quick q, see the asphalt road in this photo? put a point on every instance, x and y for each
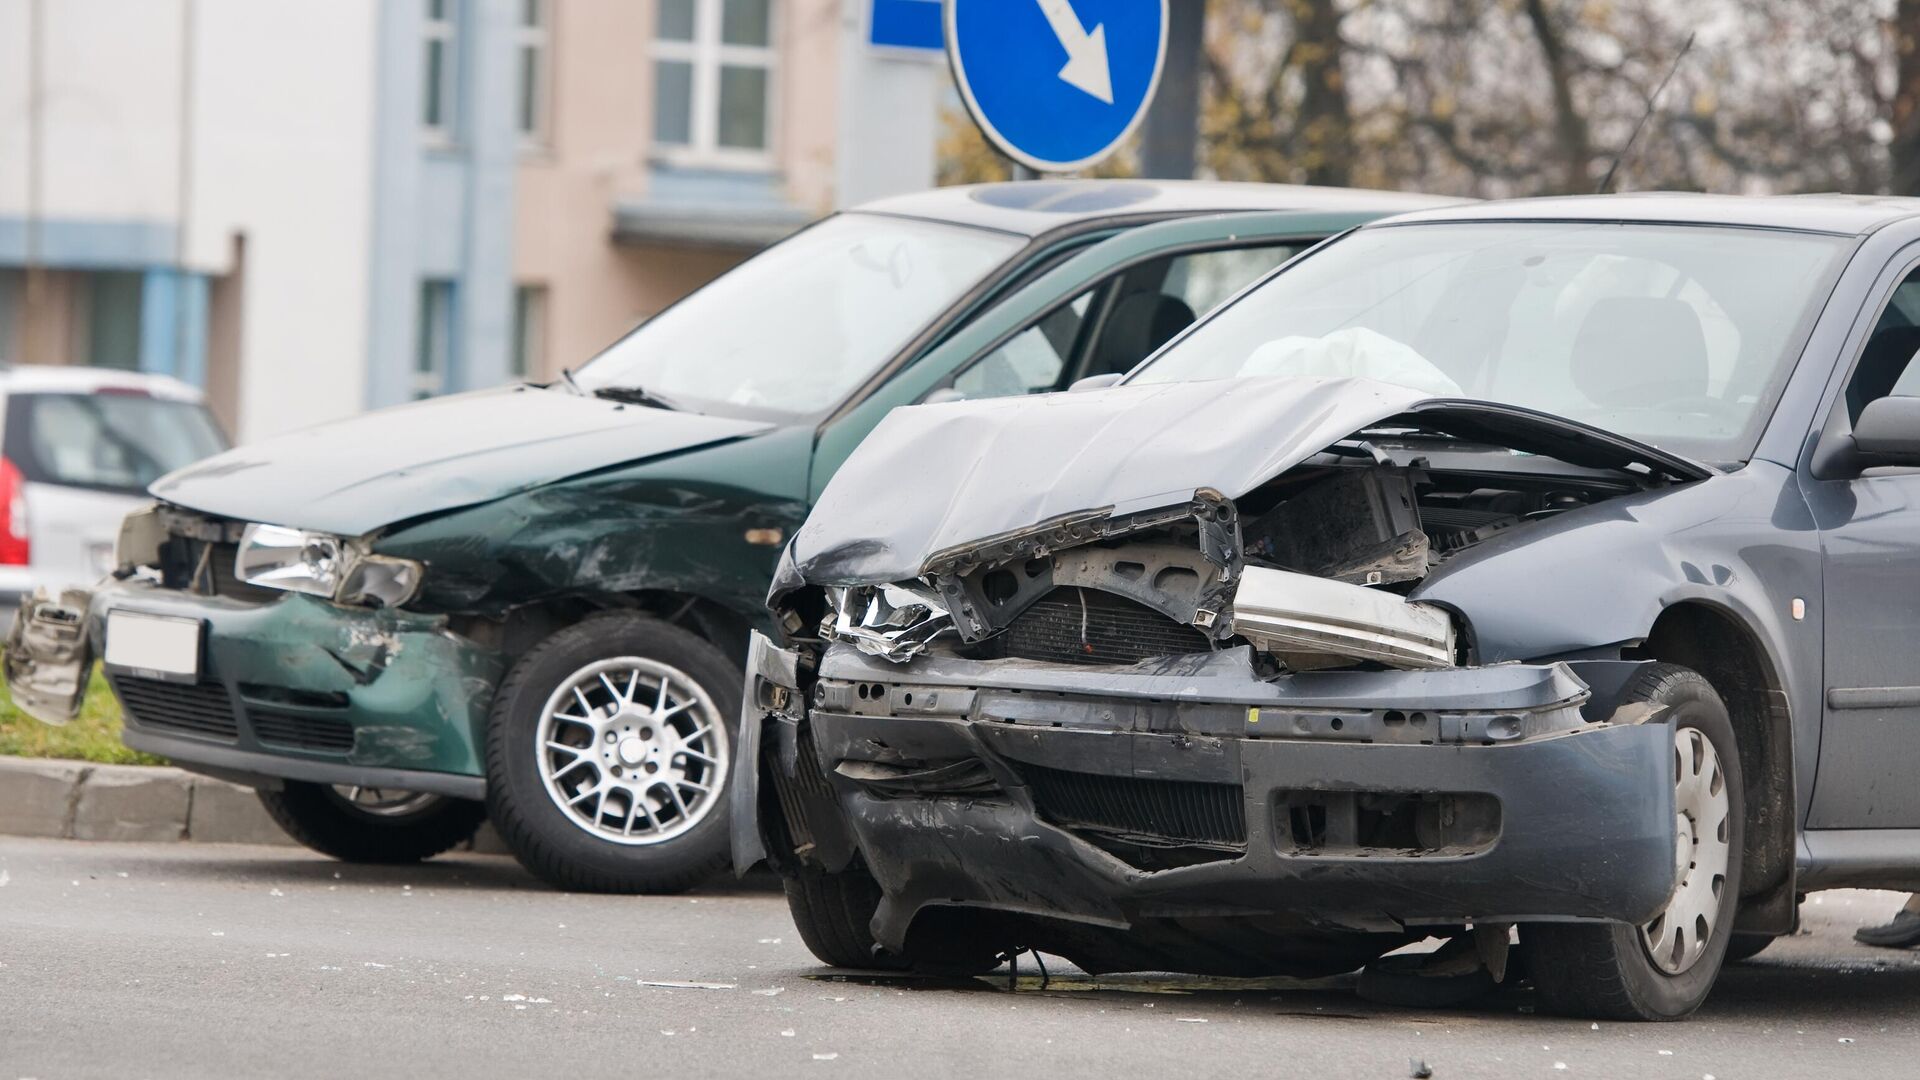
(209, 961)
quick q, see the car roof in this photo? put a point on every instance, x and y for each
(1851, 215)
(72, 379)
(1032, 207)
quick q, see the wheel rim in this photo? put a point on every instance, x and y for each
(383, 802)
(632, 750)
(1677, 938)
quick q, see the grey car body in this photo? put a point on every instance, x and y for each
(1169, 809)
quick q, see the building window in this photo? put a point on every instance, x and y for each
(533, 37)
(713, 64)
(529, 332)
(441, 67)
(433, 343)
(12, 285)
(109, 309)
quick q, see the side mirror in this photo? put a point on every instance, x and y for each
(1096, 382)
(942, 396)
(1888, 431)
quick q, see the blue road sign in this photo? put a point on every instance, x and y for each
(1057, 84)
(905, 24)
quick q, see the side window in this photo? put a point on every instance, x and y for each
(1207, 279)
(1886, 367)
(1119, 322)
(1032, 361)
(1155, 302)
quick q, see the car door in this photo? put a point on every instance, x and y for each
(1065, 318)
(1870, 538)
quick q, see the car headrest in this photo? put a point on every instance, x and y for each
(1633, 350)
(1139, 323)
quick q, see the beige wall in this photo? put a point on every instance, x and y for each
(600, 131)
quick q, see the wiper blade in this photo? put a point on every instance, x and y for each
(566, 375)
(635, 395)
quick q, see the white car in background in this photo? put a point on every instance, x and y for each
(78, 447)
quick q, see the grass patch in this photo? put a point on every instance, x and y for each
(94, 735)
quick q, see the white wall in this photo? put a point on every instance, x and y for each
(111, 108)
(284, 153)
(279, 150)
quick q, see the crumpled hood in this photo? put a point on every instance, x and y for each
(354, 476)
(934, 477)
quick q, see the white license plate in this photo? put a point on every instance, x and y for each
(158, 645)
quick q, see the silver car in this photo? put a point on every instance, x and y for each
(78, 447)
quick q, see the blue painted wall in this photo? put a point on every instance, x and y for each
(443, 212)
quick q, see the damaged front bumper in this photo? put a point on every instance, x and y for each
(295, 688)
(1189, 788)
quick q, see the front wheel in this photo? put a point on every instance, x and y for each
(608, 753)
(1663, 970)
(372, 825)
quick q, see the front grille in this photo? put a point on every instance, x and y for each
(1071, 625)
(203, 709)
(1175, 810)
(302, 731)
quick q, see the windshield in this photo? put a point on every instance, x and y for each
(792, 331)
(108, 441)
(1680, 336)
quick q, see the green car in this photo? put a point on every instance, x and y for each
(532, 604)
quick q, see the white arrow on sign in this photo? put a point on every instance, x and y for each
(1087, 67)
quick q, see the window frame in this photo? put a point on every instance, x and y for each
(1106, 292)
(432, 379)
(535, 38)
(706, 55)
(444, 32)
(527, 349)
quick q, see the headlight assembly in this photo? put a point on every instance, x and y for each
(378, 581)
(276, 557)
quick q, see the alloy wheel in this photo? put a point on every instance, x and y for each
(383, 802)
(632, 750)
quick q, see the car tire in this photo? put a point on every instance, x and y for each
(408, 830)
(834, 914)
(671, 784)
(1610, 971)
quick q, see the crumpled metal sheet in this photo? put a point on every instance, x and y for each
(936, 477)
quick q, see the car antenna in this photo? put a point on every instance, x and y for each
(1653, 103)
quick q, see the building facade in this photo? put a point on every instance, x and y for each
(311, 209)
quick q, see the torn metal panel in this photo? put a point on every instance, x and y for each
(1287, 613)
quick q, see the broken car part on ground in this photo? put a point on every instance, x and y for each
(540, 596)
(1440, 627)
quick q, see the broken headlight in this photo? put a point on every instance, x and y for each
(892, 622)
(379, 581)
(276, 557)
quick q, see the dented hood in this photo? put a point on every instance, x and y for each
(935, 477)
(354, 476)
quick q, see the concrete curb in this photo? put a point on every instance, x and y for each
(73, 800)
